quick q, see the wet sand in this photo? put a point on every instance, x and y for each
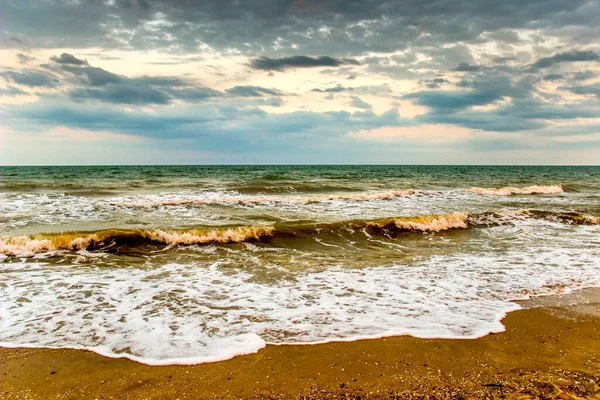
(548, 352)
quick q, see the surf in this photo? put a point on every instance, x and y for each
(29, 245)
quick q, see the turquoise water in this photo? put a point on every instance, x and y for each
(186, 264)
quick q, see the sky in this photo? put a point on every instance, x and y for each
(299, 81)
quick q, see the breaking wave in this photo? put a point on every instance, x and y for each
(27, 246)
(237, 197)
(425, 223)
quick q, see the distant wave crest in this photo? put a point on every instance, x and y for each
(230, 199)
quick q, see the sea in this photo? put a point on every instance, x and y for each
(194, 264)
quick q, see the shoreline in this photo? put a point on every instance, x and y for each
(550, 350)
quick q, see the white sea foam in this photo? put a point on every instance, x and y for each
(233, 198)
(31, 212)
(200, 312)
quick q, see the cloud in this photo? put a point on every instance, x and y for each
(145, 91)
(453, 100)
(569, 56)
(520, 114)
(583, 76)
(254, 27)
(453, 61)
(93, 76)
(503, 60)
(12, 91)
(464, 67)
(24, 59)
(553, 77)
(123, 94)
(93, 83)
(220, 121)
(336, 89)
(272, 102)
(593, 89)
(359, 103)
(36, 79)
(280, 64)
(433, 83)
(252, 91)
(66, 58)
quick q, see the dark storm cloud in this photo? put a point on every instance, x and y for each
(252, 91)
(280, 64)
(570, 56)
(31, 78)
(66, 58)
(282, 27)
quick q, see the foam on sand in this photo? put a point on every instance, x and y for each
(203, 312)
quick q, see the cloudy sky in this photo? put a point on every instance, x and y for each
(299, 81)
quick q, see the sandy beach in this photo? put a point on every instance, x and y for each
(550, 351)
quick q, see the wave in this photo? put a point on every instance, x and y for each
(42, 243)
(278, 196)
(27, 246)
(291, 187)
(18, 186)
(105, 240)
(508, 191)
(424, 223)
